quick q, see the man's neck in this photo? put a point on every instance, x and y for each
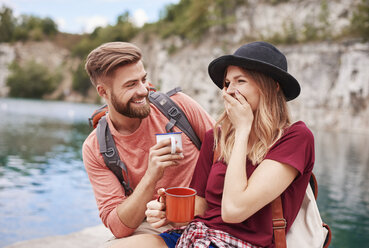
(123, 124)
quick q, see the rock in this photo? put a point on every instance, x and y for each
(92, 237)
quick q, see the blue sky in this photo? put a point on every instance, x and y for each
(79, 16)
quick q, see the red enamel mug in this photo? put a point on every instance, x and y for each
(180, 204)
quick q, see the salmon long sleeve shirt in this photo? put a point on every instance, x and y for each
(133, 151)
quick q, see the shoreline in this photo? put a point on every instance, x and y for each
(95, 236)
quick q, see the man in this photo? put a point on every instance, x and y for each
(117, 72)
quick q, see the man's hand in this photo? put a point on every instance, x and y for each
(160, 157)
(155, 213)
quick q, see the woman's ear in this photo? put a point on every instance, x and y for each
(277, 86)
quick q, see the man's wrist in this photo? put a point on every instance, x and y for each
(148, 181)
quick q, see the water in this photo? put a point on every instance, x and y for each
(342, 170)
(44, 189)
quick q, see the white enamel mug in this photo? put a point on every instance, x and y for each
(175, 139)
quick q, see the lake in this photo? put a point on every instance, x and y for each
(44, 189)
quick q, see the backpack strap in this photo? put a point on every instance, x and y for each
(174, 91)
(279, 223)
(111, 156)
(174, 113)
(328, 238)
(314, 185)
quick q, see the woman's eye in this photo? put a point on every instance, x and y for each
(226, 84)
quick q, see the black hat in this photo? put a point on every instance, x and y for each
(257, 56)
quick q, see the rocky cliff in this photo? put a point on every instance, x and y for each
(334, 76)
(45, 53)
(334, 79)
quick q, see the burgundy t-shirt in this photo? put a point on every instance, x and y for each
(295, 147)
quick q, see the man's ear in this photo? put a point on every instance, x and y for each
(101, 90)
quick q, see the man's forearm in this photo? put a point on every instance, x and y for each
(132, 211)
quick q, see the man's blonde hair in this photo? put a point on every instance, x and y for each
(270, 120)
(103, 60)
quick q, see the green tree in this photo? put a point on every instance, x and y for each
(123, 18)
(82, 48)
(20, 33)
(49, 27)
(32, 80)
(81, 81)
(25, 27)
(123, 30)
(360, 20)
(192, 18)
(7, 24)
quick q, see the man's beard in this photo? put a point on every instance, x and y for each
(128, 110)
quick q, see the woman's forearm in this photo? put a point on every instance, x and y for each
(235, 182)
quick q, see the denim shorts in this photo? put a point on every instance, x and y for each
(171, 237)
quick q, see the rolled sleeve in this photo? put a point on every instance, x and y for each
(116, 226)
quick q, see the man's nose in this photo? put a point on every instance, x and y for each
(143, 88)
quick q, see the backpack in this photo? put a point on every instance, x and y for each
(108, 149)
(308, 230)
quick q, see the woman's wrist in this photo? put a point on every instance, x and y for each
(242, 133)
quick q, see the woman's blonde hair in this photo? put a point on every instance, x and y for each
(270, 119)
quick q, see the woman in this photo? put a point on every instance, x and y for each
(262, 156)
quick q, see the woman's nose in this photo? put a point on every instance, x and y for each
(231, 89)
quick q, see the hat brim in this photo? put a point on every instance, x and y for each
(288, 83)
